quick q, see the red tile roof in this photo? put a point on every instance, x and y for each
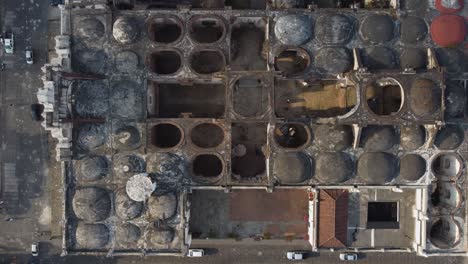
(333, 218)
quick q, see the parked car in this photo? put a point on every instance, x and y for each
(294, 255)
(196, 253)
(9, 42)
(348, 256)
(35, 249)
(29, 56)
(56, 2)
(36, 112)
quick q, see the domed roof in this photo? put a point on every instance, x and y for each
(90, 29)
(412, 137)
(413, 58)
(91, 99)
(162, 207)
(166, 165)
(451, 59)
(412, 167)
(90, 61)
(333, 60)
(413, 29)
(207, 135)
(425, 97)
(415, 5)
(126, 208)
(377, 29)
(447, 166)
(293, 30)
(162, 236)
(126, 61)
(91, 236)
(127, 235)
(378, 138)
(93, 168)
(127, 137)
(91, 136)
(377, 167)
(454, 99)
(334, 167)
(448, 30)
(92, 204)
(126, 99)
(446, 196)
(129, 165)
(125, 30)
(445, 233)
(334, 29)
(379, 58)
(449, 137)
(292, 167)
(329, 137)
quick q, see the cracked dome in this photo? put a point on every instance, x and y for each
(127, 235)
(292, 167)
(125, 30)
(129, 165)
(167, 165)
(333, 167)
(90, 29)
(163, 206)
(333, 60)
(425, 97)
(90, 136)
(93, 168)
(377, 167)
(334, 29)
(126, 208)
(412, 137)
(92, 204)
(412, 167)
(91, 236)
(328, 137)
(378, 138)
(449, 137)
(412, 30)
(377, 29)
(293, 30)
(127, 137)
(162, 236)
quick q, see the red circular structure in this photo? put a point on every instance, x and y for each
(448, 30)
(449, 6)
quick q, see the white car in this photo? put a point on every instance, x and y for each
(348, 256)
(294, 255)
(29, 56)
(196, 253)
(35, 249)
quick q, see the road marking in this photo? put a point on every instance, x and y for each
(372, 238)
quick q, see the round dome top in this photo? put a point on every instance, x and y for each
(334, 167)
(91, 137)
(412, 137)
(451, 59)
(92, 204)
(334, 29)
(93, 168)
(454, 99)
(90, 61)
(162, 207)
(448, 30)
(333, 60)
(413, 58)
(412, 167)
(446, 196)
(127, 137)
(293, 30)
(292, 167)
(139, 187)
(445, 233)
(127, 235)
(379, 58)
(425, 97)
(162, 236)
(413, 29)
(90, 29)
(378, 138)
(166, 165)
(328, 137)
(91, 236)
(126, 208)
(129, 165)
(447, 166)
(125, 30)
(126, 61)
(449, 137)
(377, 29)
(91, 99)
(377, 167)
